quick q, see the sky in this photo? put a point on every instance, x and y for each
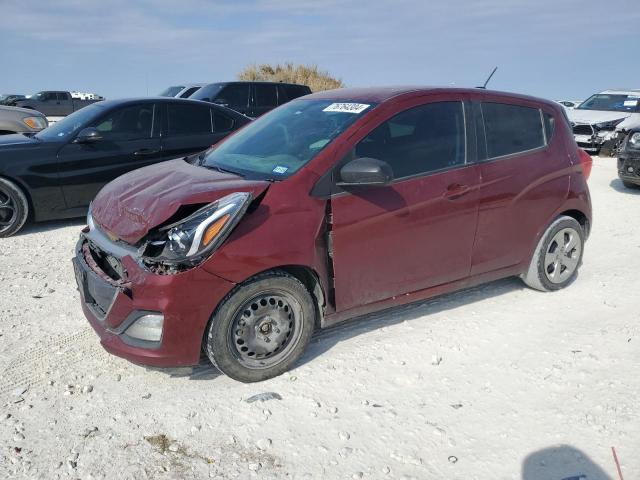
(557, 49)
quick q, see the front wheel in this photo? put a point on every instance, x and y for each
(14, 208)
(557, 257)
(262, 328)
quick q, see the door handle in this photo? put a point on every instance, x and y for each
(455, 190)
(144, 151)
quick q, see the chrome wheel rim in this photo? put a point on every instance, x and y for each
(265, 329)
(8, 211)
(562, 255)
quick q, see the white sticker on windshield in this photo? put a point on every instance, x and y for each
(630, 103)
(347, 107)
(280, 169)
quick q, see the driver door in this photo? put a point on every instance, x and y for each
(130, 140)
(418, 231)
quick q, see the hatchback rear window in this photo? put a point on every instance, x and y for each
(511, 129)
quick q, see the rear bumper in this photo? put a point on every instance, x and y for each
(186, 300)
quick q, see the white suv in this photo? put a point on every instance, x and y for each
(601, 122)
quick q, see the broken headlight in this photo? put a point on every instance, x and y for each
(192, 239)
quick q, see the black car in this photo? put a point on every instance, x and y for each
(57, 172)
(629, 160)
(250, 98)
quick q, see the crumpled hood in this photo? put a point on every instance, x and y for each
(130, 206)
(594, 116)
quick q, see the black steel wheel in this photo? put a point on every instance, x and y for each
(261, 328)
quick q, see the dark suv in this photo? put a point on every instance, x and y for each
(250, 98)
(629, 160)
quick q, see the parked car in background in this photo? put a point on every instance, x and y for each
(601, 122)
(570, 104)
(21, 120)
(250, 98)
(8, 98)
(629, 159)
(181, 91)
(332, 206)
(53, 103)
(85, 95)
(57, 172)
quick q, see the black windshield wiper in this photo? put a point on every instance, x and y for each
(223, 170)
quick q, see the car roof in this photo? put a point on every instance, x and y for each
(266, 82)
(622, 91)
(383, 94)
(137, 100)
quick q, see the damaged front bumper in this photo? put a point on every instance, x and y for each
(629, 168)
(139, 315)
(592, 140)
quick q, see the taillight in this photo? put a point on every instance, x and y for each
(586, 161)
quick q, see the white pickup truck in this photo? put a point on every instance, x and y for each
(602, 121)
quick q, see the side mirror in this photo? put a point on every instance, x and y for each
(88, 135)
(365, 171)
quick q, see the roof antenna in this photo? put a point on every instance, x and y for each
(484, 87)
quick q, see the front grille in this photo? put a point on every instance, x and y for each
(582, 129)
(110, 265)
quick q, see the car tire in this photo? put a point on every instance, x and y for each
(261, 328)
(630, 185)
(14, 208)
(557, 256)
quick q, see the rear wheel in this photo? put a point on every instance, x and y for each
(557, 257)
(14, 208)
(261, 329)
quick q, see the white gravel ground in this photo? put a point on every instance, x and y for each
(496, 382)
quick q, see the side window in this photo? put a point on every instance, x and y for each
(549, 126)
(221, 123)
(266, 95)
(128, 123)
(419, 140)
(187, 119)
(189, 92)
(511, 129)
(235, 95)
(283, 97)
(49, 96)
(295, 91)
(62, 96)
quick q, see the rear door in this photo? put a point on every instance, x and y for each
(417, 232)
(129, 141)
(523, 181)
(189, 128)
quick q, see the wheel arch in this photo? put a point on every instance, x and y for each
(580, 217)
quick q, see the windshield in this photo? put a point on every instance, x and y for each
(171, 91)
(611, 102)
(281, 142)
(71, 124)
(208, 93)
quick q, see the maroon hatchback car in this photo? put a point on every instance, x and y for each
(331, 206)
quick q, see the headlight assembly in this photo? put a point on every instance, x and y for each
(634, 140)
(192, 239)
(37, 123)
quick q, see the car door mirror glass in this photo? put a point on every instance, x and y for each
(365, 171)
(88, 135)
